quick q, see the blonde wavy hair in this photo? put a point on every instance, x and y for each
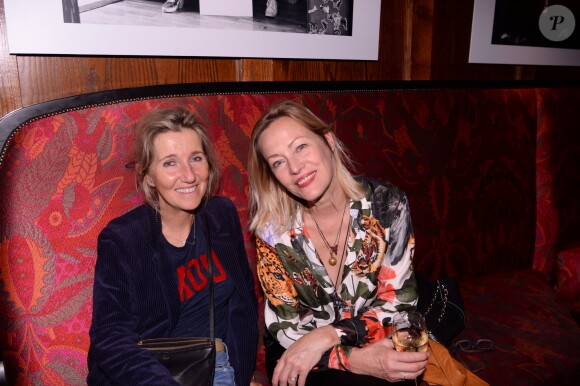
(174, 119)
(270, 203)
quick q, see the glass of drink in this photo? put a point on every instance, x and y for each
(410, 332)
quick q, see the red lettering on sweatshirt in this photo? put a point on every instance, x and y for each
(189, 284)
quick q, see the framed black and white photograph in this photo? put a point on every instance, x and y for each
(541, 32)
(304, 29)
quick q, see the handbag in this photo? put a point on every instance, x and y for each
(191, 361)
(443, 369)
(441, 304)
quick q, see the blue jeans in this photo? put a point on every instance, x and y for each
(224, 373)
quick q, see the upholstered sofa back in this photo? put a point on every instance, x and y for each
(466, 156)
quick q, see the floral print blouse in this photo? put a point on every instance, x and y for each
(378, 278)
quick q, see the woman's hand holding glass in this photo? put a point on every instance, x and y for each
(410, 334)
(381, 360)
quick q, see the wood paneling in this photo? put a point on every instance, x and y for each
(451, 41)
(550, 72)
(50, 77)
(9, 87)
(420, 39)
(256, 69)
(420, 29)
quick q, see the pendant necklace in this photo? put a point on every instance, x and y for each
(333, 250)
(336, 284)
(180, 241)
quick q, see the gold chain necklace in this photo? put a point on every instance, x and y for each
(333, 250)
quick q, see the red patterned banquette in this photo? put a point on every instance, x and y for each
(492, 172)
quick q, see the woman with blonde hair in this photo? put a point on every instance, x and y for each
(334, 257)
(152, 270)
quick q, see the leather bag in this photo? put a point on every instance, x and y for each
(191, 361)
(441, 304)
(442, 369)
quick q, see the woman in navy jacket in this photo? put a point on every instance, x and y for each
(151, 272)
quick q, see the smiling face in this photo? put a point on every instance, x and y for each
(179, 171)
(299, 159)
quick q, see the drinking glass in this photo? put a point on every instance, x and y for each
(410, 332)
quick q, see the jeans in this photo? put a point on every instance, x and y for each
(224, 373)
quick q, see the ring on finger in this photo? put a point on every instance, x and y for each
(292, 380)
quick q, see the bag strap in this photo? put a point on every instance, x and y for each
(443, 292)
(211, 283)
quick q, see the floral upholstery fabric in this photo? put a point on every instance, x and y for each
(568, 278)
(526, 352)
(466, 162)
(557, 249)
(467, 165)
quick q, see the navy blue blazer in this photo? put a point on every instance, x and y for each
(135, 296)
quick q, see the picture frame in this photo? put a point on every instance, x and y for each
(37, 27)
(525, 43)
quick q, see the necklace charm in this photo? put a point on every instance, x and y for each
(333, 252)
(332, 261)
(332, 249)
